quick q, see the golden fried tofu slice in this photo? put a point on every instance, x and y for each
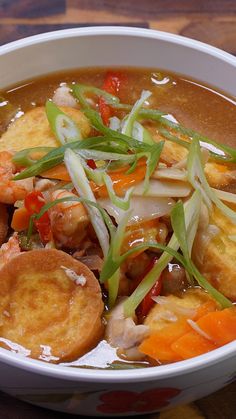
(172, 153)
(33, 130)
(217, 263)
(50, 305)
(219, 175)
(172, 308)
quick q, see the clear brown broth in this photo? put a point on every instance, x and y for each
(192, 103)
(195, 105)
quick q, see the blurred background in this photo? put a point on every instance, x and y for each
(210, 21)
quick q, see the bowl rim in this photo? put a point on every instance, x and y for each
(161, 372)
(120, 31)
(146, 374)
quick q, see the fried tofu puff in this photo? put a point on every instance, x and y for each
(217, 263)
(173, 308)
(33, 130)
(218, 175)
(51, 305)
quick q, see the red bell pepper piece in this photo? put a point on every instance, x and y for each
(91, 163)
(111, 85)
(34, 202)
(147, 303)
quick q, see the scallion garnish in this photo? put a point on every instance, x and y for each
(179, 227)
(196, 176)
(129, 121)
(81, 184)
(63, 127)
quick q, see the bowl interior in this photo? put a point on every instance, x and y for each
(112, 46)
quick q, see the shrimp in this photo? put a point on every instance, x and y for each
(11, 190)
(69, 220)
(9, 250)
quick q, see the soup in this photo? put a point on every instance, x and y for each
(117, 214)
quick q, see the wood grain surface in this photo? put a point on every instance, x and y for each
(211, 21)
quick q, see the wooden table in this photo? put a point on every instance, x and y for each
(211, 21)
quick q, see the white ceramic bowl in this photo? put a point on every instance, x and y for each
(97, 392)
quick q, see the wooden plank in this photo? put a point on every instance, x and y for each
(151, 8)
(31, 8)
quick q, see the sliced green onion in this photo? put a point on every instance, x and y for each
(24, 157)
(103, 155)
(147, 283)
(55, 157)
(81, 184)
(122, 203)
(218, 151)
(152, 162)
(79, 91)
(179, 227)
(173, 138)
(96, 175)
(115, 123)
(197, 178)
(112, 256)
(113, 288)
(129, 121)
(63, 127)
(141, 134)
(225, 196)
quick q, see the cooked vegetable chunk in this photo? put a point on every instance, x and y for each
(172, 308)
(50, 304)
(32, 130)
(218, 260)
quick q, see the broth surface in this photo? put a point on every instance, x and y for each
(193, 104)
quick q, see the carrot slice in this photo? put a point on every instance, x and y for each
(20, 219)
(58, 172)
(220, 326)
(158, 345)
(122, 181)
(192, 344)
(205, 308)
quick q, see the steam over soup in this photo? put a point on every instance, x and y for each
(117, 218)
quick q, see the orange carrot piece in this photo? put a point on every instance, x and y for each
(220, 326)
(58, 172)
(158, 345)
(192, 344)
(122, 181)
(159, 350)
(20, 219)
(205, 308)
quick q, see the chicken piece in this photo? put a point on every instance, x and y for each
(124, 333)
(33, 130)
(217, 263)
(171, 309)
(51, 305)
(63, 97)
